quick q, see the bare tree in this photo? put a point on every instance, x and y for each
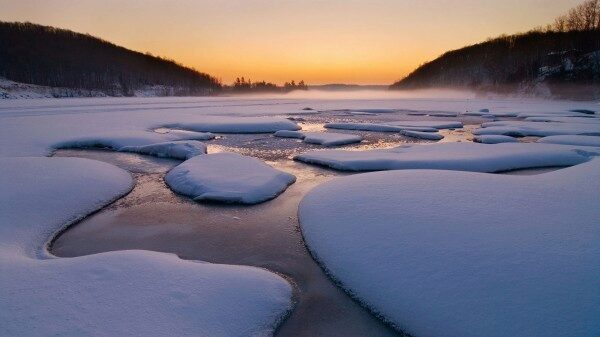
(585, 16)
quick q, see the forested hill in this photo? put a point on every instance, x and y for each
(560, 63)
(53, 57)
(559, 60)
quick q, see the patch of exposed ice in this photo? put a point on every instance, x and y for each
(452, 156)
(422, 135)
(331, 138)
(477, 255)
(179, 149)
(228, 177)
(494, 139)
(116, 293)
(571, 140)
(222, 124)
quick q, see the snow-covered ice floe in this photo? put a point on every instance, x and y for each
(289, 134)
(377, 127)
(331, 138)
(188, 135)
(446, 253)
(228, 177)
(564, 119)
(115, 140)
(222, 124)
(116, 293)
(180, 149)
(453, 156)
(148, 143)
(321, 138)
(428, 124)
(490, 114)
(571, 140)
(422, 135)
(494, 139)
(537, 129)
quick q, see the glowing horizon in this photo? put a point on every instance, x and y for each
(320, 42)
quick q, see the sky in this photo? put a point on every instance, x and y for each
(328, 41)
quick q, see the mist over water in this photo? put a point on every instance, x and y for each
(367, 94)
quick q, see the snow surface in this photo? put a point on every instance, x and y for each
(223, 124)
(571, 140)
(125, 293)
(331, 138)
(537, 129)
(289, 134)
(494, 139)
(228, 177)
(422, 135)
(180, 149)
(443, 253)
(453, 156)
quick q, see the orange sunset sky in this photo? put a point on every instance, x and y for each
(335, 41)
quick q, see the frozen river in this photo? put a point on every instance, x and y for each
(266, 235)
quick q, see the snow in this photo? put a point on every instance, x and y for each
(289, 134)
(494, 139)
(452, 156)
(228, 177)
(571, 140)
(422, 135)
(31, 127)
(223, 124)
(125, 293)
(443, 253)
(538, 129)
(331, 138)
(376, 127)
(181, 149)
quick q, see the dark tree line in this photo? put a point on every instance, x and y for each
(566, 53)
(241, 85)
(48, 56)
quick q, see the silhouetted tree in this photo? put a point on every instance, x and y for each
(55, 57)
